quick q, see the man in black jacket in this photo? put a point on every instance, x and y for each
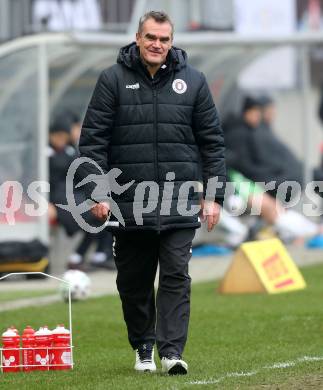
(152, 116)
(254, 150)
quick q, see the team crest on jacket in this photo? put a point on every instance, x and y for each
(179, 86)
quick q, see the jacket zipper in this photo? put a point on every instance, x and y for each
(156, 151)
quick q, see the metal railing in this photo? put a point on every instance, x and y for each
(17, 17)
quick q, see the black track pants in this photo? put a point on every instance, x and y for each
(137, 255)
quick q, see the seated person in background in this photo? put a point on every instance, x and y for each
(61, 154)
(76, 127)
(256, 152)
(268, 111)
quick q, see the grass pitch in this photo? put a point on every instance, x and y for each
(235, 342)
(14, 295)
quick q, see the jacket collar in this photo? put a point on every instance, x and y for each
(129, 56)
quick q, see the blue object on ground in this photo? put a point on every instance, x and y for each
(210, 250)
(315, 242)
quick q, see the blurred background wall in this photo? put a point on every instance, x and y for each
(20, 17)
(243, 17)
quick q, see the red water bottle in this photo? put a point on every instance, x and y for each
(11, 351)
(61, 351)
(28, 351)
(43, 343)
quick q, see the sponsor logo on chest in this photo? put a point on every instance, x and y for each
(133, 86)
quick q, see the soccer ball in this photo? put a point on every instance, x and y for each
(79, 283)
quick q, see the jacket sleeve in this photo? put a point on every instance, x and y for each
(97, 129)
(209, 137)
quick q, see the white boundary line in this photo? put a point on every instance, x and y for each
(274, 366)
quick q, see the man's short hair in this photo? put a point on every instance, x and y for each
(158, 16)
(250, 103)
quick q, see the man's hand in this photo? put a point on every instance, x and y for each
(101, 210)
(210, 212)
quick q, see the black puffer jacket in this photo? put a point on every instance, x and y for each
(142, 126)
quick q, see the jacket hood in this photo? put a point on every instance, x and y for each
(129, 56)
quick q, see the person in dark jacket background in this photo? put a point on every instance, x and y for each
(256, 152)
(254, 149)
(61, 154)
(152, 116)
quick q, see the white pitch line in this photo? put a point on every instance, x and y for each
(237, 374)
(280, 365)
(275, 366)
(310, 359)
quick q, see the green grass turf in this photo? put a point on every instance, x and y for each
(6, 296)
(228, 334)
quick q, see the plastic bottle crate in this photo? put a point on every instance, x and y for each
(50, 352)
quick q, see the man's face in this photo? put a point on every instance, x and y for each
(59, 139)
(253, 116)
(154, 42)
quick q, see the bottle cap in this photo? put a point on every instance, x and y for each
(43, 331)
(28, 330)
(60, 329)
(9, 333)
